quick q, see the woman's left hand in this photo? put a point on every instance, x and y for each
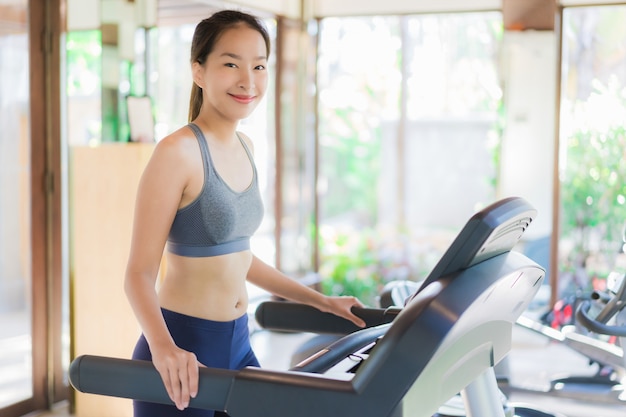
(342, 307)
(279, 284)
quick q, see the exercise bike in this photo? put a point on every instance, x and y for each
(599, 334)
(609, 320)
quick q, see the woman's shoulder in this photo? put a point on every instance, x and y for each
(179, 140)
(179, 145)
(180, 137)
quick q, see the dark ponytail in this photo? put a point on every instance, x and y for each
(206, 35)
(195, 102)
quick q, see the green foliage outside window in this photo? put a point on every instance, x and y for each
(361, 264)
(593, 143)
(377, 77)
(352, 269)
(83, 52)
(593, 188)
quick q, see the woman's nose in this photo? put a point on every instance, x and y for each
(246, 81)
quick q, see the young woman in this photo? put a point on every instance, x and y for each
(198, 202)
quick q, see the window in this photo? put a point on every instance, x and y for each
(16, 344)
(84, 85)
(593, 139)
(408, 136)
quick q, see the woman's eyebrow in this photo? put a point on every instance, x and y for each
(235, 56)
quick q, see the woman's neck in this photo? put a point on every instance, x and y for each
(219, 129)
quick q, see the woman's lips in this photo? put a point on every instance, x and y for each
(243, 99)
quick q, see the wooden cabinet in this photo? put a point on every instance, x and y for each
(103, 184)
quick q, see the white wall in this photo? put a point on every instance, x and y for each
(323, 8)
(529, 69)
(85, 14)
(288, 8)
(88, 14)
(359, 7)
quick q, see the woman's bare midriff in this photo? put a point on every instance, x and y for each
(212, 288)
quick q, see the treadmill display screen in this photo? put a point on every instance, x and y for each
(494, 230)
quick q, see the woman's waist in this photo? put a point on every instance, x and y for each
(214, 267)
(208, 297)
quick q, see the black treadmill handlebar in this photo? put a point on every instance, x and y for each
(141, 381)
(218, 389)
(582, 315)
(294, 317)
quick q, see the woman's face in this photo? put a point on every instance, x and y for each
(234, 76)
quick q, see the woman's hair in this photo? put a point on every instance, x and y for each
(206, 35)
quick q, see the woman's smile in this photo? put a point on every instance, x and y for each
(244, 99)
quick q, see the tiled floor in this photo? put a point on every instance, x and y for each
(533, 361)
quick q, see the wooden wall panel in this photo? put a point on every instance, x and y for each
(104, 181)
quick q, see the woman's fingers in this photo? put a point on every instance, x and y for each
(192, 372)
(357, 320)
(180, 378)
(176, 388)
(183, 375)
(342, 306)
(354, 302)
(165, 376)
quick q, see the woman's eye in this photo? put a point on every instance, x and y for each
(230, 65)
(260, 67)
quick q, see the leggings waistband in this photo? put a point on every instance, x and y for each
(173, 316)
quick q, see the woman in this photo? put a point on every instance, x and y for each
(199, 195)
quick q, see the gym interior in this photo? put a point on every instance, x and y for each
(387, 125)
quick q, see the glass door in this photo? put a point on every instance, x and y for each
(32, 375)
(16, 359)
(592, 143)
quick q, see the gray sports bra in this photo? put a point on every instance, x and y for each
(219, 220)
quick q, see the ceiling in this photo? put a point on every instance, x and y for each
(14, 16)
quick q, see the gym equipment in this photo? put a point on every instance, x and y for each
(610, 321)
(447, 339)
(607, 385)
(392, 296)
(392, 299)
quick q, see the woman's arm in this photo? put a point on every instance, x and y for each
(158, 197)
(277, 283)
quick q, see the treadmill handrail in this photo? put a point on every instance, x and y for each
(289, 316)
(139, 380)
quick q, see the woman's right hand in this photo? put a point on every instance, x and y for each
(179, 370)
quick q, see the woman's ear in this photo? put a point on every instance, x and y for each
(197, 71)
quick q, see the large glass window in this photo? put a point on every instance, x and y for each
(453, 97)
(84, 87)
(408, 136)
(593, 139)
(16, 364)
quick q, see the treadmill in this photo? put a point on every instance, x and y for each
(407, 362)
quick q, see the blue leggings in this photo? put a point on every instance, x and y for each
(216, 344)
